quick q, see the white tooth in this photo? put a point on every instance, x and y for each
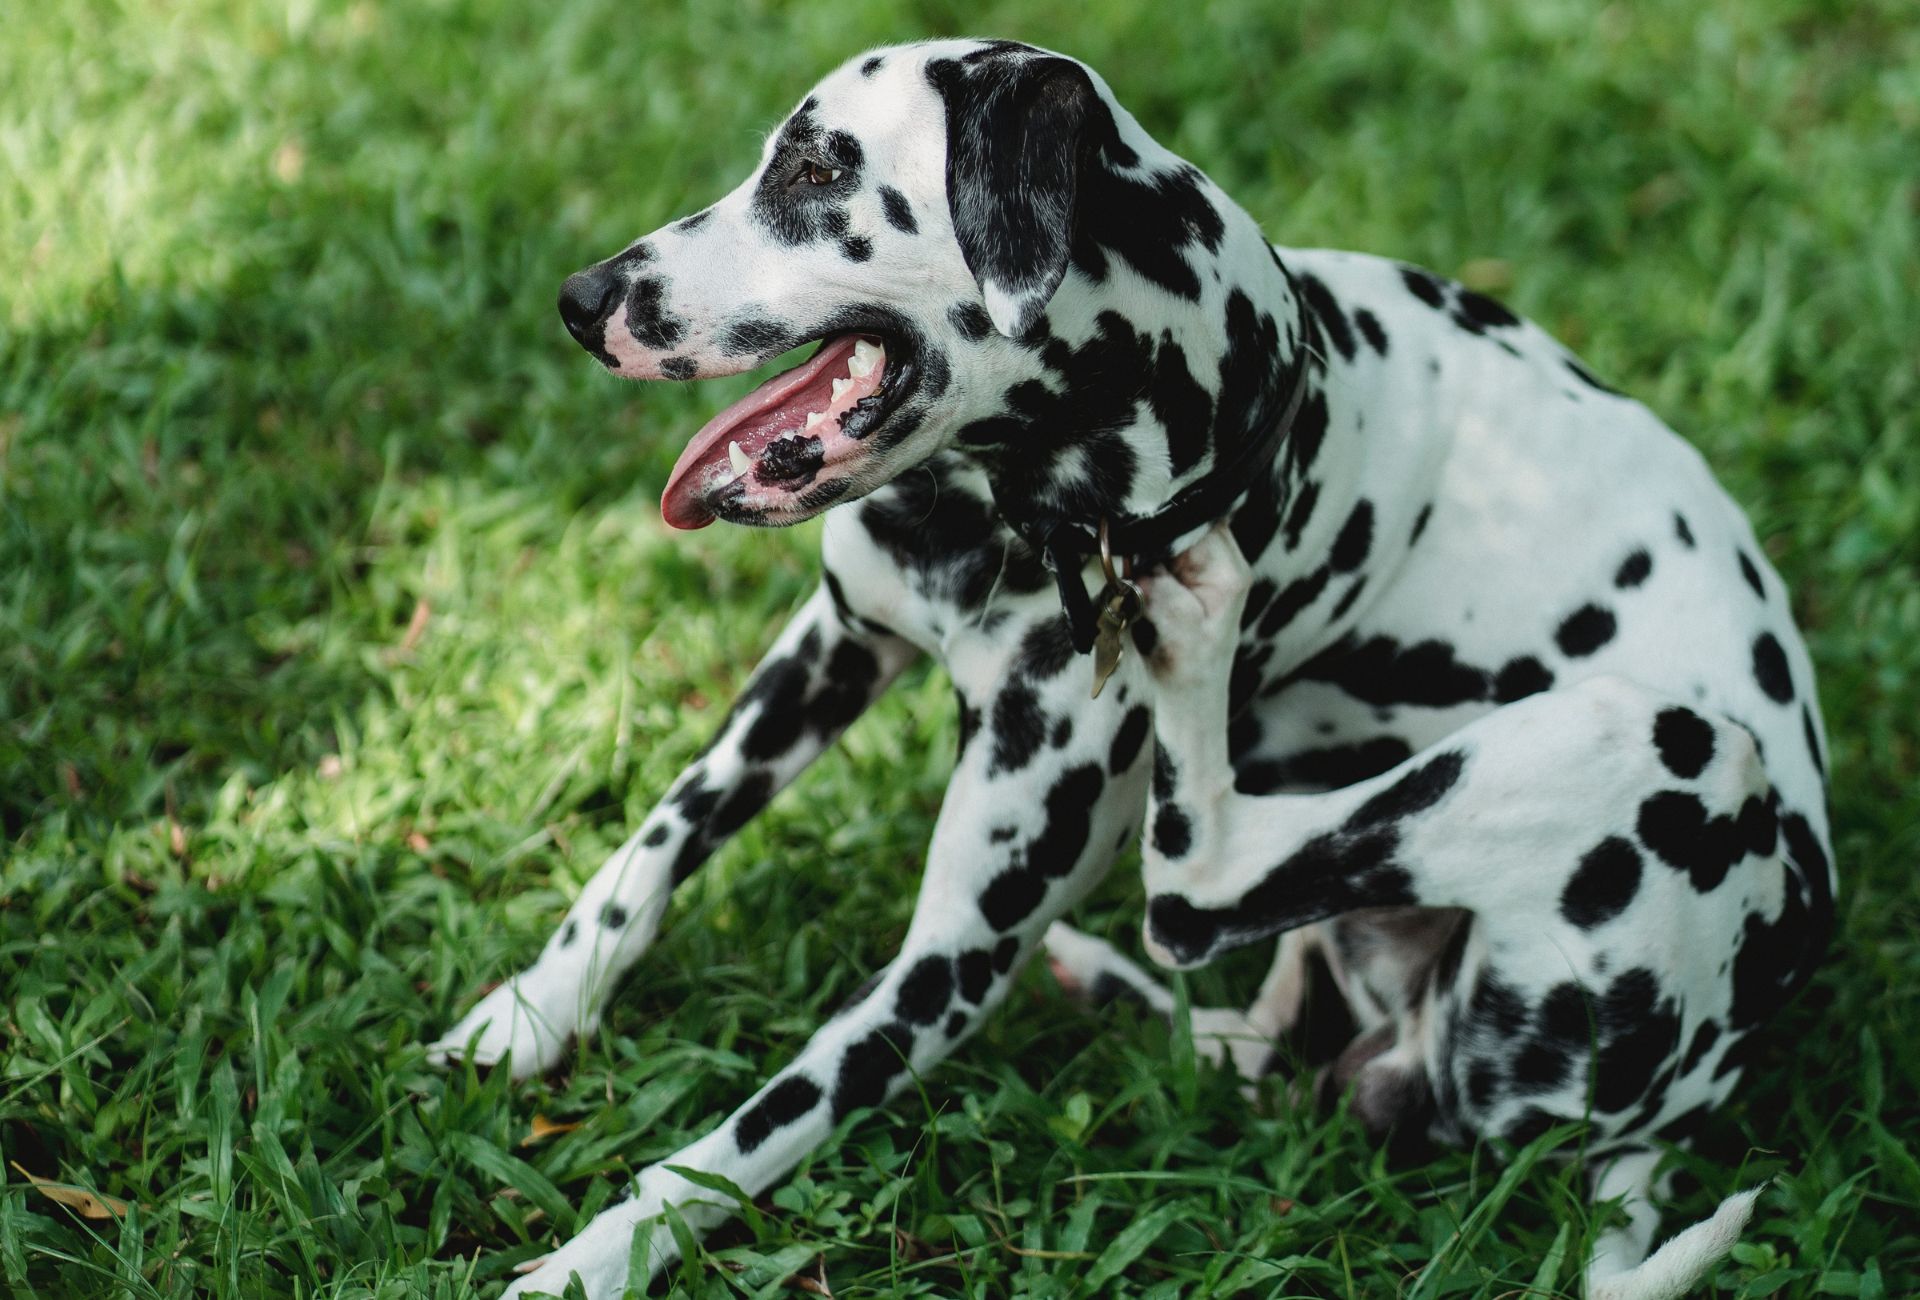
(815, 417)
(840, 386)
(738, 458)
(865, 357)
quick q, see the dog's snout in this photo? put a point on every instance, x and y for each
(584, 298)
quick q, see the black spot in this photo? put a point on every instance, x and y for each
(975, 969)
(1172, 832)
(1751, 574)
(1585, 631)
(869, 1067)
(748, 796)
(1355, 540)
(1332, 319)
(784, 1103)
(1643, 1032)
(695, 221)
(1128, 739)
(1633, 570)
(1058, 846)
(1484, 312)
(870, 66)
(679, 367)
(1348, 601)
(1497, 1005)
(899, 212)
(956, 1024)
(754, 337)
(1046, 650)
(1567, 1015)
(1012, 896)
(1383, 672)
(1758, 826)
(613, 916)
(1770, 669)
(856, 248)
(1603, 885)
(570, 933)
(925, 991)
(1183, 408)
(1019, 727)
(1145, 636)
(970, 319)
(1590, 379)
(1703, 1040)
(1682, 531)
(1676, 827)
(1300, 512)
(1327, 769)
(1420, 523)
(1685, 741)
(1519, 678)
(1004, 954)
(657, 836)
(1425, 285)
(1291, 602)
(1370, 330)
(1413, 793)
(1812, 737)
(1541, 1065)
(648, 319)
(1483, 1084)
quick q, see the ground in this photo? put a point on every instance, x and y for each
(340, 638)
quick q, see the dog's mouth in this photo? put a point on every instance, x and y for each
(784, 452)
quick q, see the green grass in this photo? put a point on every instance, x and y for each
(339, 636)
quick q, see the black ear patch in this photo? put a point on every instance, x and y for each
(1016, 126)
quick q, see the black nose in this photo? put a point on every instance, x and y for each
(585, 297)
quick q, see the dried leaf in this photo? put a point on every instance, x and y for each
(817, 1284)
(418, 842)
(417, 625)
(89, 1205)
(544, 1128)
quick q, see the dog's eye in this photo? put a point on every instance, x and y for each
(814, 173)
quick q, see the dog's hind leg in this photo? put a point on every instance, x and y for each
(1096, 972)
(1024, 832)
(822, 672)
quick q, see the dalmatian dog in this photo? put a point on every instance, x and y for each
(1489, 706)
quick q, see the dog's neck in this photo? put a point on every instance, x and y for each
(1116, 423)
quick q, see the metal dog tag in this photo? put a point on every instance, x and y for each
(1119, 607)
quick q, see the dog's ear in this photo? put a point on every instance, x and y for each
(1015, 132)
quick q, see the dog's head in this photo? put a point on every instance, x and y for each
(916, 215)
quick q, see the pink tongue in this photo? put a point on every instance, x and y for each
(779, 404)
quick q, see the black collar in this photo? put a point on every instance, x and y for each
(1066, 543)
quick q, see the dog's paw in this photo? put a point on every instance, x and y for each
(1194, 602)
(603, 1251)
(600, 1254)
(1093, 972)
(527, 1021)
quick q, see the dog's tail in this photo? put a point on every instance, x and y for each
(1677, 1267)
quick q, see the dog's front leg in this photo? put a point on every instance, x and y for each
(1047, 787)
(819, 676)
